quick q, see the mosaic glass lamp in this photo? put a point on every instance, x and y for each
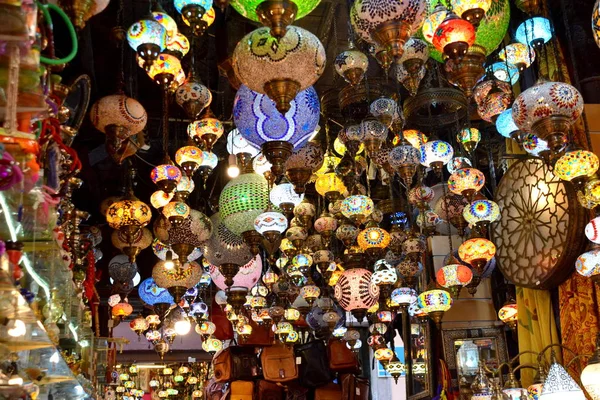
(395, 368)
(534, 145)
(454, 36)
(242, 200)
(481, 211)
(189, 158)
(548, 110)
(265, 12)
(505, 72)
(416, 54)
(435, 303)
(279, 68)
(591, 373)
(330, 186)
(176, 211)
(508, 314)
(469, 138)
(436, 154)
(386, 111)
(355, 292)
(477, 252)
(588, 264)
(148, 38)
(433, 20)
(454, 276)
(206, 131)
(192, 11)
(518, 54)
(414, 137)
(199, 27)
(405, 159)
(374, 241)
(505, 125)
(492, 96)
(404, 296)
(357, 208)
(466, 182)
(166, 177)
(576, 165)
(284, 197)
(592, 230)
(237, 144)
(471, 10)
(457, 163)
(374, 133)
(164, 69)
(128, 216)
(351, 64)
(263, 125)
(534, 32)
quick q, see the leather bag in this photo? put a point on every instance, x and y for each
(341, 358)
(354, 388)
(279, 364)
(236, 363)
(269, 391)
(331, 391)
(314, 366)
(242, 390)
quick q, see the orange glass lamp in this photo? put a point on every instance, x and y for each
(374, 241)
(206, 131)
(454, 277)
(477, 252)
(509, 314)
(454, 36)
(166, 177)
(122, 310)
(466, 182)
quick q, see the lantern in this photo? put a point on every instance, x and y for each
(351, 65)
(242, 200)
(518, 54)
(436, 154)
(454, 36)
(405, 159)
(505, 72)
(435, 303)
(193, 11)
(374, 241)
(357, 208)
(466, 182)
(300, 60)
(505, 124)
(139, 325)
(469, 138)
(193, 97)
(166, 177)
(560, 385)
(404, 296)
(477, 252)
(471, 10)
(548, 110)
(481, 211)
(508, 314)
(355, 292)
(148, 38)
(534, 32)
(206, 130)
(576, 166)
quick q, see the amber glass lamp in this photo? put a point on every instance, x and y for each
(477, 252)
(454, 36)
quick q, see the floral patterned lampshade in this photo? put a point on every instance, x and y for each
(373, 238)
(436, 153)
(505, 124)
(560, 385)
(534, 32)
(147, 32)
(415, 53)
(151, 293)
(466, 181)
(435, 300)
(454, 275)
(354, 290)
(193, 96)
(242, 200)
(258, 120)
(386, 111)
(128, 212)
(247, 8)
(347, 233)
(189, 158)
(577, 164)
(197, 130)
(351, 64)
(187, 276)
(404, 155)
(270, 221)
(404, 296)
(164, 64)
(505, 72)
(481, 210)
(548, 100)
(477, 252)
(534, 145)
(166, 177)
(588, 264)
(412, 136)
(384, 354)
(508, 313)
(518, 54)
(296, 60)
(454, 36)
(326, 223)
(357, 207)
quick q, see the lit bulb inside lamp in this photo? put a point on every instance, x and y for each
(15, 380)
(169, 264)
(233, 171)
(16, 328)
(182, 327)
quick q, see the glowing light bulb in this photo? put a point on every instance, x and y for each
(16, 328)
(233, 171)
(169, 264)
(182, 327)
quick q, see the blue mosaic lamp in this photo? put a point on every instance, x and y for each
(534, 32)
(151, 293)
(506, 125)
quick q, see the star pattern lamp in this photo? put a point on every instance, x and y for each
(351, 65)
(548, 110)
(355, 292)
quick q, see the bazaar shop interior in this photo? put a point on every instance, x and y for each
(299, 199)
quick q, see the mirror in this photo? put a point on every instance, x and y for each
(421, 361)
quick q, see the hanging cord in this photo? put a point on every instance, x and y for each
(121, 85)
(44, 8)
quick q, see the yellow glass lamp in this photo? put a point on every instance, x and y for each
(477, 252)
(330, 186)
